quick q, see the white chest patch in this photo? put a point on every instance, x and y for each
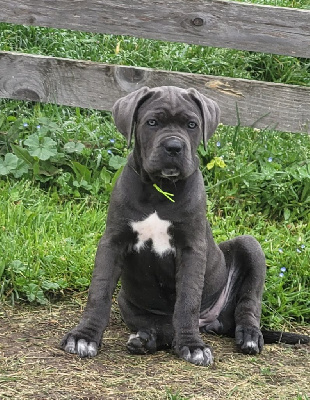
(155, 229)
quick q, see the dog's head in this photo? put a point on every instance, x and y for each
(168, 124)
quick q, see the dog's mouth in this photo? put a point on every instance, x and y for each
(170, 172)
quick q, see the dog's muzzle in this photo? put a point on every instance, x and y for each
(173, 148)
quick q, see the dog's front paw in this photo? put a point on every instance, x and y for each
(142, 342)
(249, 339)
(75, 344)
(196, 355)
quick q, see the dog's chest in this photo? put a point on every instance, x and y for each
(156, 231)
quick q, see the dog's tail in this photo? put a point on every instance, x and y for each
(284, 337)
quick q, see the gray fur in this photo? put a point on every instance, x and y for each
(186, 279)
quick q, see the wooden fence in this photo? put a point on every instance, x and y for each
(205, 22)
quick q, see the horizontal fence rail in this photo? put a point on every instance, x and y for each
(96, 85)
(216, 23)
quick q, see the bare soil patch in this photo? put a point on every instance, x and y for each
(32, 366)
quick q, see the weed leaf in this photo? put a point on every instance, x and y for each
(74, 147)
(48, 169)
(115, 177)
(116, 162)
(81, 171)
(21, 169)
(105, 176)
(8, 164)
(41, 147)
(22, 154)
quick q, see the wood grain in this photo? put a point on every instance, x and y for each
(95, 85)
(205, 22)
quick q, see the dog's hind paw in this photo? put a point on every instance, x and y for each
(249, 339)
(142, 342)
(81, 347)
(198, 356)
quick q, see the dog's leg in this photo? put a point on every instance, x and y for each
(247, 256)
(191, 262)
(151, 332)
(85, 338)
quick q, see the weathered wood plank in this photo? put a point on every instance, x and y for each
(95, 85)
(205, 22)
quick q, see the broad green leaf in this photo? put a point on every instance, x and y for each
(21, 169)
(48, 169)
(17, 267)
(22, 154)
(13, 131)
(74, 147)
(48, 285)
(43, 178)
(41, 147)
(48, 125)
(105, 176)
(116, 162)
(8, 164)
(81, 171)
(35, 293)
(81, 184)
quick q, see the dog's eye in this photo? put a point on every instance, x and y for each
(192, 124)
(152, 122)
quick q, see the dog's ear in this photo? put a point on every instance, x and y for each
(125, 110)
(210, 112)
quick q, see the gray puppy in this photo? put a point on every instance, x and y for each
(175, 280)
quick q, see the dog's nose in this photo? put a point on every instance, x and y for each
(173, 146)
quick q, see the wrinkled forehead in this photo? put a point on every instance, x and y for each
(169, 102)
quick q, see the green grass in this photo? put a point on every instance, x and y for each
(52, 210)
(47, 245)
(282, 3)
(155, 54)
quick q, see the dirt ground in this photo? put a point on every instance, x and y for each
(32, 366)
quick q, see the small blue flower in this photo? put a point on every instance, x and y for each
(281, 274)
(298, 250)
(38, 126)
(112, 140)
(218, 144)
(270, 159)
(101, 137)
(110, 152)
(302, 246)
(280, 251)
(283, 269)
(25, 124)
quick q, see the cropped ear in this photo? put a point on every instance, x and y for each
(210, 112)
(125, 110)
